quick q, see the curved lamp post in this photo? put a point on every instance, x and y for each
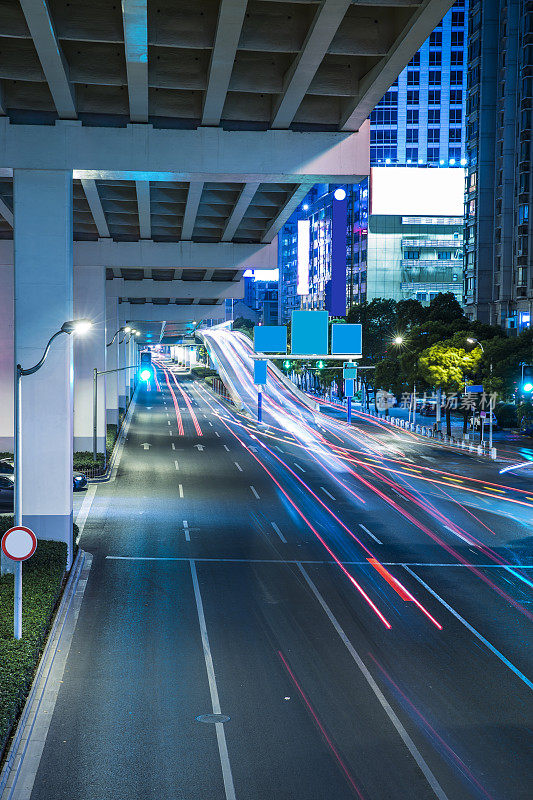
(473, 340)
(79, 326)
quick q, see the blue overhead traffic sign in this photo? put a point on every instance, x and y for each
(270, 339)
(346, 338)
(309, 332)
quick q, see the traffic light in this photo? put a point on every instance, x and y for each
(320, 364)
(286, 364)
(526, 384)
(146, 374)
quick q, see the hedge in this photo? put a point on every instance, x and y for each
(83, 459)
(43, 576)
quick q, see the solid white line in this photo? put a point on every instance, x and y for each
(176, 464)
(299, 467)
(173, 445)
(301, 561)
(85, 509)
(215, 702)
(281, 536)
(375, 538)
(186, 530)
(254, 492)
(238, 466)
(181, 489)
(425, 769)
(471, 629)
(226, 447)
(328, 494)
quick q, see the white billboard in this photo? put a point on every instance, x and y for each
(417, 191)
(303, 256)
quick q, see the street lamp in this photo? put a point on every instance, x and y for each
(78, 326)
(398, 340)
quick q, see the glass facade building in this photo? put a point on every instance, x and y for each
(498, 276)
(420, 120)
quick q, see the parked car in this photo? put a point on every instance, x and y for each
(7, 487)
(79, 481)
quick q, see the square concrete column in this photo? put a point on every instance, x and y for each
(89, 353)
(43, 302)
(112, 383)
(123, 375)
(7, 319)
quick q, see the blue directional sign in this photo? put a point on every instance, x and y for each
(349, 373)
(309, 332)
(348, 388)
(270, 339)
(346, 338)
(260, 371)
(477, 389)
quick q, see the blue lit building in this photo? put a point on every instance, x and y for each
(421, 119)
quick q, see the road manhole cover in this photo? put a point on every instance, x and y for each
(212, 718)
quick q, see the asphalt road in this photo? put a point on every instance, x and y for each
(357, 604)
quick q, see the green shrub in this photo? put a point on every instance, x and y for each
(506, 415)
(41, 586)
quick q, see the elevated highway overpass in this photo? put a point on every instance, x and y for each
(149, 154)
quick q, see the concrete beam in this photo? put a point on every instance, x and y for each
(95, 204)
(229, 26)
(6, 213)
(194, 196)
(171, 313)
(50, 55)
(376, 82)
(186, 290)
(296, 82)
(148, 254)
(280, 219)
(141, 152)
(245, 198)
(135, 23)
(143, 205)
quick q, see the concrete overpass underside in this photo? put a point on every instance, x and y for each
(149, 154)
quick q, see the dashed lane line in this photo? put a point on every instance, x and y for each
(254, 492)
(328, 493)
(281, 536)
(180, 489)
(375, 538)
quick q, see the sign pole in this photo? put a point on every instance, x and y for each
(17, 601)
(259, 406)
(349, 413)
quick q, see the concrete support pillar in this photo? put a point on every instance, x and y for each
(89, 353)
(132, 348)
(123, 378)
(7, 313)
(43, 302)
(112, 382)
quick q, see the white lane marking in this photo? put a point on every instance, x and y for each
(170, 433)
(85, 509)
(471, 629)
(226, 447)
(411, 746)
(173, 445)
(303, 561)
(278, 448)
(328, 494)
(375, 538)
(215, 702)
(180, 487)
(168, 422)
(186, 530)
(205, 416)
(176, 464)
(217, 434)
(254, 492)
(281, 536)
(238, 466)
(299, 467)
(211, 424)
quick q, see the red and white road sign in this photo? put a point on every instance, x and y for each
(19, 544)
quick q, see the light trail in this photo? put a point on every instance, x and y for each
(176, 407)
(189, 406)
(321, 727)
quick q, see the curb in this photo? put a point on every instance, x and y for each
(21, 740)
(119, 441)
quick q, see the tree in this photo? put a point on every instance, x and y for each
(445, 307)
(378, 319)
(408, 314)
(444, 366)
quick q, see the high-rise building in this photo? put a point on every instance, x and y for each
(420, 120)
(498, 279)
(401, 238)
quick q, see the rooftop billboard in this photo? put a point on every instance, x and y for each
(415, 191)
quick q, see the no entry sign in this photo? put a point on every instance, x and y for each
(19, 543)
